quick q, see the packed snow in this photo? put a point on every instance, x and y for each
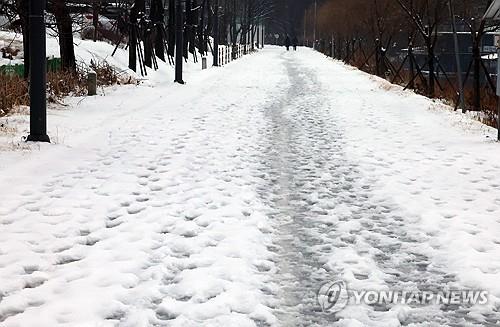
(231, 200)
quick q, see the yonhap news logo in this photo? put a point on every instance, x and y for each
(334, 297)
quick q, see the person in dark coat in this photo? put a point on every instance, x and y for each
(287, 43)
(295, 43)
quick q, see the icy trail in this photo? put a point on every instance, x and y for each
(229, 204)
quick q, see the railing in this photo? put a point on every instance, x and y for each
(226, 54)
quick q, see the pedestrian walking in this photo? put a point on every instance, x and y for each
(295, 41)
(287, 43)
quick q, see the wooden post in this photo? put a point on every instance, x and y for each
(92, 84)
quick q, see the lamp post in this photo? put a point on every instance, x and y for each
(38, 72)
(179, 40)
(216, 34)
(498, 91)
(493, 13)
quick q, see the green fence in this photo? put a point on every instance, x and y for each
(53, 65)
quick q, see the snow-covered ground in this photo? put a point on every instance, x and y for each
(230, 200)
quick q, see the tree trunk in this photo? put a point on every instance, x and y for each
(253, 37)
(216, 33)
(234, 34)
(132, 38)
(96, 7)
(65, 29)
(22, 7)
(171, 28)
(476, 57)
(157, 18)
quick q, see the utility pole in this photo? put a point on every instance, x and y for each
(216, 34)
(179, 40)
(493, 13)
(498, 91)
(457, 56)
(38, 72)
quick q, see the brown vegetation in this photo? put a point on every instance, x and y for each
(14, 90)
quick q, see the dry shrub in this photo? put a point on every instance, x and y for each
(14, 89)
(13, 93)
(65, 82)
(489, 107)
(106, 74)
(488, 101)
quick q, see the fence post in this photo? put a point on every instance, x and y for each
(457, 56)
(412, 65)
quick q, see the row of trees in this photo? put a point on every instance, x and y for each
(205, 24)
(148, 26)
(383, 36)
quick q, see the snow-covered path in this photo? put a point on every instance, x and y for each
(231, 200)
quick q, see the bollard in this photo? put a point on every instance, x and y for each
(92, 84)
(203, 63)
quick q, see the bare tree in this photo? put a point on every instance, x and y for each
(64, 24)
